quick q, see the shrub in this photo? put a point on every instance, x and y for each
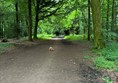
(107, 79)
(108, 57)
(74, 37)
(110, 52)
(101, 62)
(45, 36)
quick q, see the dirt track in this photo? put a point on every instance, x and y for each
(36, 64)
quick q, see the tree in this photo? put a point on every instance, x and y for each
(50, 15)
(1, 25)
(17, 20)
(30, 20)
(36, 18)
(97, 23)
(107, 18)
(44, 9)
(89, 20)
(113, 16)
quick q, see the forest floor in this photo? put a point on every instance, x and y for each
(32, 62)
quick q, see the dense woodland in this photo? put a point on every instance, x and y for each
(97, 20)
(91, 20)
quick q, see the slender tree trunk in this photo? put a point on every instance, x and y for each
(107, 19)
(17, 21)
(113, 15)
(97, 24)
(89, 21)
(36, 19)
(1, 29)
(84, 31)
(85, 20)
(115, 23)
(30, 21)
(84, 16)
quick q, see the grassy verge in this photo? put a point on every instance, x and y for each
(75, 37)
(108, 57)
(4, 47)
(45, 36)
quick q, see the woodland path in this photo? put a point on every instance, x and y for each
(36, 64)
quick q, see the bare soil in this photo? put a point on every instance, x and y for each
(32, 62)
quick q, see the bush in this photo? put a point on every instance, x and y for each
(74, 37)
(116, 69)
(45, 36)
(110, 52)
(101, 62)
(108, 57)
(107, 79)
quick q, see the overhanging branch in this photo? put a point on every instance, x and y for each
(52, 13)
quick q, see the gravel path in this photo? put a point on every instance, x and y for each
(36, 64)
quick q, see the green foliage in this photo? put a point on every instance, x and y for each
(67, 15)
(45, 36)
(108, 57)
(109, 36)
(71, 13)
(87, 57)
(107, 79)
(116, 69)
(101, 62)
(110, 52)
(74, 37)
(8, 18)
(4, 47)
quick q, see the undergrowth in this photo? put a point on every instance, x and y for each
(4, 47)
(108, 57)
(107, 80)
(45, 36)
(75, 37)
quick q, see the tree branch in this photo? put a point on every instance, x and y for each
(52, 13)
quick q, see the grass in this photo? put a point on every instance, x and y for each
(74, 37)
(101, 62)
(108, 57)
(116, 69)
(4, 47)
(45, 36)
(87, 57)
(69, 37)
(111, 52)
(107, 79)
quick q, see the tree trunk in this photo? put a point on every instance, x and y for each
(30, 21)
(1, 29)
(97, 24)
(107, 19)
(36, 19)
(113, 16)
(85, 20)
(89, 21)
(17, 21)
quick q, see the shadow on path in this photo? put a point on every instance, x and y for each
(36, 64)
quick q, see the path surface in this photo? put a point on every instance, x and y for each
(35, 64)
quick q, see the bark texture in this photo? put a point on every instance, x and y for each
(97, 23)
(30, 21)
